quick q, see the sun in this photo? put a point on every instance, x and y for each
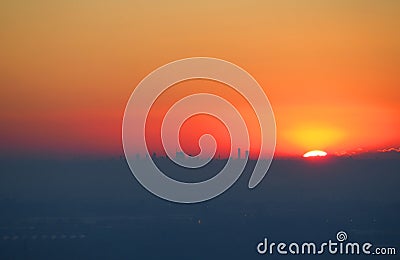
(315, 153)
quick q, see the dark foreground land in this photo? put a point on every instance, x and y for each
(95, 209)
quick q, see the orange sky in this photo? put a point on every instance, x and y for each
(330, 68)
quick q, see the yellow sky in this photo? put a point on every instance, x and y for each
(329, 68)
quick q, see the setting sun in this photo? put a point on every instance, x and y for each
(315, 153)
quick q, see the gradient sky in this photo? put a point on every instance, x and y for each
(67, 68)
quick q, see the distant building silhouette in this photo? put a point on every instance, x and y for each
(246, 156)
(238, 153)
